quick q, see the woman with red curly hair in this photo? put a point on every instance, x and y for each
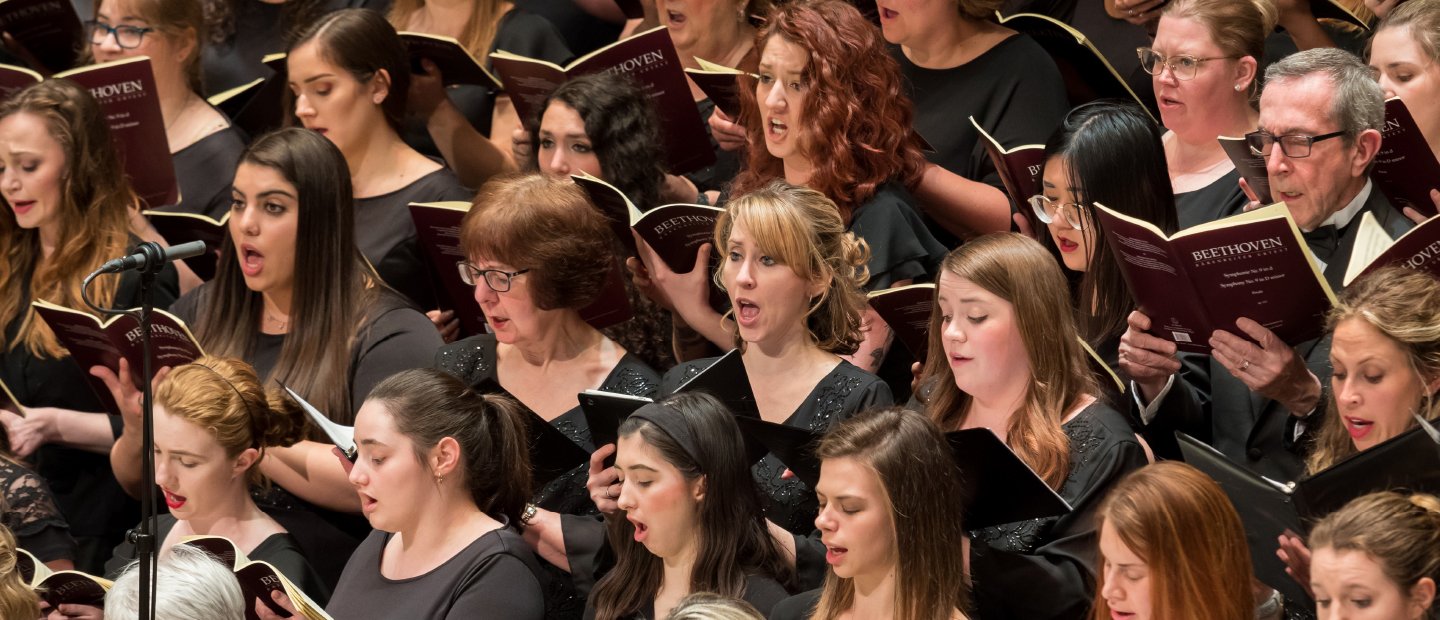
(830, 109)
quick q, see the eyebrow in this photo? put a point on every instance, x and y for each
(373, 442)
(642, 467)
(971, 300)
(184, 453)
(268, 192)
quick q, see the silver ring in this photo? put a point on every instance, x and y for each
(607, 493)
(1245, 365)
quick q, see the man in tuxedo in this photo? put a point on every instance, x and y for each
(1320, 118)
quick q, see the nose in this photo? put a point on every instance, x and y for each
(1112, 591)
(745, 274)
(1166, 76)
(163, 473)
(775, 98)
(249, 221)
(1346, 394)
(559, 166)
(1276, 162)
(359, 475)
(953, 331)
(1387, 85)
(627, 500)
(483, 294)
(110, 44)
(303, 109)
(824, 520)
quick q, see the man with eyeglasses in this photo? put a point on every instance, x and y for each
(1320, 120)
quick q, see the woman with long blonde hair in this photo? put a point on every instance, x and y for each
(67, 204)
(1006, 355)
(1151, 565)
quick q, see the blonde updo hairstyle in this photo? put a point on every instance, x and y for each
(801, 228)
(225, 397)
(1400, 532)
(1238, 27)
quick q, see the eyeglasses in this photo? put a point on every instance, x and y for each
(1182, 67)
(1046, 209)
(127, 37)
(1293, 146)
(498, 281)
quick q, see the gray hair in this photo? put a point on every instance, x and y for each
(191, 584)
(708, 606)
(1358, 102)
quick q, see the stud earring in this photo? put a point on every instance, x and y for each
(1239, 87)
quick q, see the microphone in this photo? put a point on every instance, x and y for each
(151, 257)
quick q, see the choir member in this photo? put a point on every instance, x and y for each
(67, 208)
(793, 275)
(689, 515)
(1006, 355)
(443, 475)
(1320, 120)
(17, 600)
(28, 510)
(1205, 72)
(1378, 557)
(470, 125)
(959, 63)
(888, 492)
(1172, 547)
(1109, 154)
(292, 297)
(349, 74)
(1405, 58)
(194, 585)
(707, 606)
(242, 32)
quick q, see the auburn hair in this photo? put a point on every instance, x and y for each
(857, 116)
(1159, 512)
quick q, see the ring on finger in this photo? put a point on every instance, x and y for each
(1245, 365)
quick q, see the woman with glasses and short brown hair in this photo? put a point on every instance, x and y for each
(1205, 61)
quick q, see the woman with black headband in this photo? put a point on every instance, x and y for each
(213, 421)
(692, 519)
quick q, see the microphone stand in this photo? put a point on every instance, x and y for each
(143, 536)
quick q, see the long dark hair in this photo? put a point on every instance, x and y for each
(331, 292)
(1116, 159)
(734, 541)
(429, 405)
(624, 131)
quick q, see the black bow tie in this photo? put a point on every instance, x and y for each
(1322, 241)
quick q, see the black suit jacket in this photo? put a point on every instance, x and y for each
(1209, 403)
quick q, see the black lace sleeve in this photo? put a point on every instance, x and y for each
(29, 510)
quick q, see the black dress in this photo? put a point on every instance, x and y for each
(496, 576)
(1013, 90)
(386, 234)
(582, 32)
(1056, 556)
(28, 510)
(279, 550)
(473, 361)
(901, 247)
(394, 338)
(840, 394)
(84, 486)
(205, 171)
(519, 32)
(1222, 198)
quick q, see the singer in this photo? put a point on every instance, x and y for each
(60, 224)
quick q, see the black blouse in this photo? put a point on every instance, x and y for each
(1056, 555)
(1013, 90)
(473, 361)
(845, 391)
(28, 510)
(1222, 198)
(901, 246)
(205, 171)
(279, 550)
(496, 576)
(386, 234)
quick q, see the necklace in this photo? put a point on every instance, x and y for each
(280, 324)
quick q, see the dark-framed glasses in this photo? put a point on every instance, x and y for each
(1292, 145)
(498, 281)
(1181, 66)
(127, 37)
(1048, 209)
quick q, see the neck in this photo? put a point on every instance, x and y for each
(726, 44)
(49, 237)
(452, 514)
(992, 409)
(374, 156)
(677, 571)
(228, 517)
(798, 169)
(563, 338)
(781, 354)
(874, 595)
(277, 302)
(1198, 144)
(945, 45)
(174, 94)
